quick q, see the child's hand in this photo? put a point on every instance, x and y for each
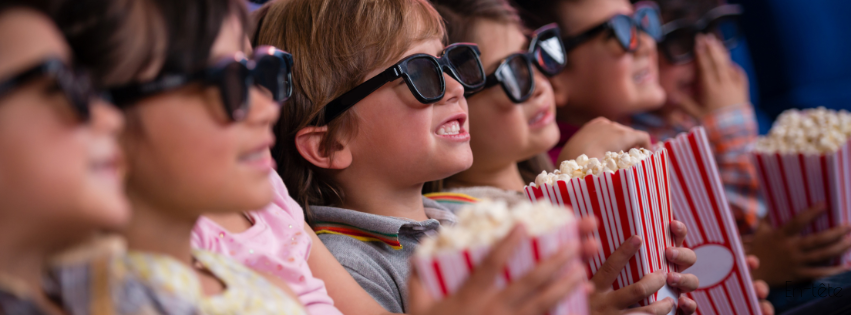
(760, 287)
(601, 135)
(606, 301)
(721, 83)
(786, 255)
(534, 294)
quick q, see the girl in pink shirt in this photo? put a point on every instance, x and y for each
(275, 243)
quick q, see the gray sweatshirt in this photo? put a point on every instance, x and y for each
(376, 249)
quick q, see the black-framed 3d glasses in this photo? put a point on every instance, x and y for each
(514, 73)
(423, 74)
(679, 35)
(269, 68)
(75, 84)
(624, 28)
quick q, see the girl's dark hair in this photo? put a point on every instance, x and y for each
(118, 40)
(460, 17)
(192, 27)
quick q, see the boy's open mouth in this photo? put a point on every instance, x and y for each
(453, 128)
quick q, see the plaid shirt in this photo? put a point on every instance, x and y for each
(731, 131)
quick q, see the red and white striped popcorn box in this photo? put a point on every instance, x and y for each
(444, 273)
(699, 202)
(794, 182)
(633, 201)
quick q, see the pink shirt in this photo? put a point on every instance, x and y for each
(276, 244)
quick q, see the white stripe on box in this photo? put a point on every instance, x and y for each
(695, 184)
(717, 296)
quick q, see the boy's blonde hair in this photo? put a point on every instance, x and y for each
(335, 44)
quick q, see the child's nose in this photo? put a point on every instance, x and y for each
(105, 118)
(264, 110)
(454, 90)
(646, 45)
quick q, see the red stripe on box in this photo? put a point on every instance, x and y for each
(686, 192)
(436, 265)
(806, 177)
(507, 275)
(827, 191)
(535, 250)
(707, 183)
(595, 209)
(468, 260)
(785, 181)
(565, 196)
(766, 183)
(654, 258)
(656, 213)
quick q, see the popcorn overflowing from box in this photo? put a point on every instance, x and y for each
(629, 193)
(446, 261)
(805, 160)
(699, 202)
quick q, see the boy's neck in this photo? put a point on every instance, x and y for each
(506, 177)
(154, 230)
(383, 199)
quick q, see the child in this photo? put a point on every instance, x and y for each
(358, 163)
(197, 141)
(506, 129)
(60, 170)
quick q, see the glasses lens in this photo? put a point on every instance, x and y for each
(625, 31)
(426, 77)
(234, 89)
(679, 44)
(77, 88)
(648, 20)
(466, 63)
(270, 73)
(516, 77)
(549, 53)
(725, 29)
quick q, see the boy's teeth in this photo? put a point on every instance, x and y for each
(450, 128)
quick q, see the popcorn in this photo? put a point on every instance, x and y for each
(583, 166)
(487, 222)
(810, 131)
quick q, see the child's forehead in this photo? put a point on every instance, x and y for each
(581, 15)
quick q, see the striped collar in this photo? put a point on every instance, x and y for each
(367, 227)
(452, 198)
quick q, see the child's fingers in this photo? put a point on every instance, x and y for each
(590, 245)
(681, 256)
(683, 281)
(636, 292)
(799, 222)
(752, 262)
(720, 57)
(686, 305)
(609, 271)
(555, 291)
(766, 307)
(657, 308)
(705, 63)
(481, 281)
(532, 283)
(834, 250)
(761, 289)
(678, 232)
(824, 238)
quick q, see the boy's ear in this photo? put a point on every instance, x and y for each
(308, 142)
(561, 88)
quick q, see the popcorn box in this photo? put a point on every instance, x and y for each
(445, 272)
(699, 202)
(632, 201)
(794, 182)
